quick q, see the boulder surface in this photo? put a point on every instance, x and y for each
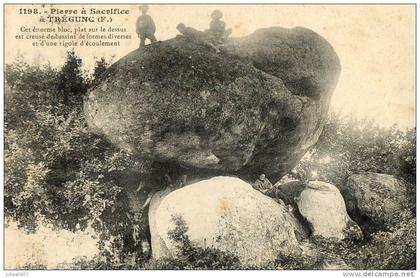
(322, 205)
(377, 197)
(225, 213)
(255, 107)
(290, 191)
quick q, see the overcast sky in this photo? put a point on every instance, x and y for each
(375, 43)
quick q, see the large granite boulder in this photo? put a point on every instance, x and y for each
(375, 197)
(323, 207)
(225, 213)
(255, 107)
(302, 59)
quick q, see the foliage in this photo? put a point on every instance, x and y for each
(132, 261)
(32, 266)
(100, 67)
(20, 76)
(193, 256)
(348, 146)
(189, 256)
(72, 84)
(56, 171)
(393, 249)
(292, 262)
(60, 172)
(384, 250)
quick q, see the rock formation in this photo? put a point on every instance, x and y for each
(254, 108)
(227, 214)
(377, 197)
(322, 205)
(289, 192)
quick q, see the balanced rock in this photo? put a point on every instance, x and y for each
(243, 111)
(323, 207)
(225, 213)
(377, 197)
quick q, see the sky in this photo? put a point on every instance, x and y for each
(375, 44)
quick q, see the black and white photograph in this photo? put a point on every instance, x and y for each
(233, 136)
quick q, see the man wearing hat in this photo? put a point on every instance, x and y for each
(145, 26)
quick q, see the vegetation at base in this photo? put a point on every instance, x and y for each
(196, 257)
(349, 145)
(394, 249)
(57, 172)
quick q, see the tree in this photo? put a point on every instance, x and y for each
(348, 145)
(101, 66)
(56, 171)
(72, 84)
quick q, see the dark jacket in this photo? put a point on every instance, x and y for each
(145, 25)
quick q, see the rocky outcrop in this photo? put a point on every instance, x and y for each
(290, 191)
(227, 214)
(375, 197)
(254, 108)
(323, 207)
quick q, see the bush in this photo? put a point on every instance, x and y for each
(389, 250)
(192, 256)
(349, 146)
(72, 83)
(384, 250)
(56, 171)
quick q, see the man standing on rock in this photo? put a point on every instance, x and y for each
(145, 26)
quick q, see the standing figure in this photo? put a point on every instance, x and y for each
(145, 26)
(218, 28)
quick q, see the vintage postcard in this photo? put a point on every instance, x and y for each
(222, 137)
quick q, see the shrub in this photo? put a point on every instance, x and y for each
(292, 262)
(72, 83)
(56, 171)
(384, 250)
(192, 256)
(390, 250)
(348, 146)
